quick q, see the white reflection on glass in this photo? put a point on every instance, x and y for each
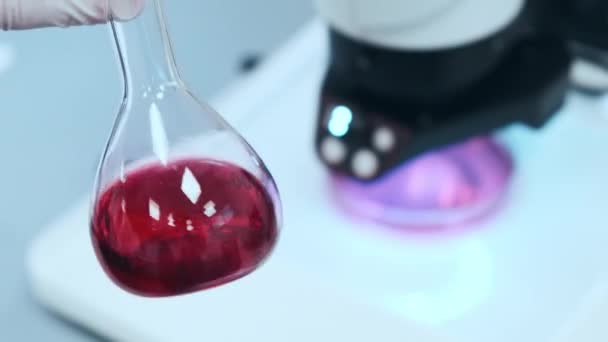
(209, 209)
(171, 220)
(154, 209)
(224, 217)
(190, 186)
(160, 142)
(123, 177)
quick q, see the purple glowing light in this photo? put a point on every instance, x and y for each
(447, 187)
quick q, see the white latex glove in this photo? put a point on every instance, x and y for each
(26, 14)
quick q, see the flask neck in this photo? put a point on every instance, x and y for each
(144, 50)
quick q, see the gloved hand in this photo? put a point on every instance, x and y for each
(26, 14)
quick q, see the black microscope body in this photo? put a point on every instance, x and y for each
(432, 99)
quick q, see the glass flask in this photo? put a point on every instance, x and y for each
(181, 202)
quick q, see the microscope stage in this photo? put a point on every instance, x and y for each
(533, 271)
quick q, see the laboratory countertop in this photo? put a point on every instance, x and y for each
(59, 91)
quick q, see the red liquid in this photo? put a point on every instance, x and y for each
(184, 227)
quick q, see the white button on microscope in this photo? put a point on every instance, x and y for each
(365, 164)
(383, 139)
(589, 76)
(333, 150)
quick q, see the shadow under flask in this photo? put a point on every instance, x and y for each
(181, 202)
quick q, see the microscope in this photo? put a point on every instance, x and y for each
(408, 77)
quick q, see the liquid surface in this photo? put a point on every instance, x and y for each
(184, 227)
